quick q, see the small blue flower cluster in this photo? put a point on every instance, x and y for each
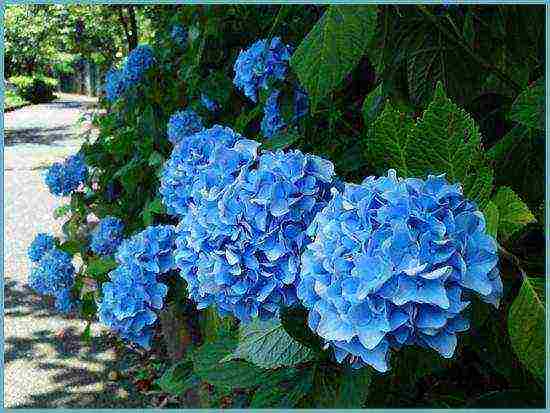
(41, 244)
(390, 262)
(182, 124)
(241, 250)
(114, 84)
(272, 121)
(53, 275)
(134, 292)
(209, 104)
(138, 61)
(179, 35)
(107, 236)
(261, 63)
(202, 165)
(64, 178)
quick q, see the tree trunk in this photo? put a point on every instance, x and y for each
(134, 35)
(130, 27)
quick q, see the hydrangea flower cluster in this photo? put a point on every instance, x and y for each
(209, 104)
(134, 292)
(261, 63)
(41, 244)
(179, 35)
(138, 61)
(182, 124)
(202, 165)
(272, 121)
(390, 264)
(106, 236)
(114, 84)
(64, 178)
(241, 251)
(53, 275)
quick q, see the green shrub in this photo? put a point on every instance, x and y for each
(35, 89)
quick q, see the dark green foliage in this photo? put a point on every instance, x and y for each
(35, 89)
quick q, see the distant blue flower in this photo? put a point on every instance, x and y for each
(112, 192)
(128, 303)
(64, 178)
(179, 35)
(240, 251)
(301, 104)
(272, 121)
(209, 104)
(182, 124)
(203, 164)
(64, 301)
(114, 84)
(261, 63)
(138, 61)
(107, 236)
(53, 274)
(390, 264)
(41, 244)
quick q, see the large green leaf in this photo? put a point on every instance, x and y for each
(267, 344)
(294, 321)
(526, 326)
(332, 48)
(354, 388)
(286, 389)
(528, 108)
(99, 266)
(178, 378)
(491, 218)
(513, 214)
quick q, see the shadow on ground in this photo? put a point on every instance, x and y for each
(51, 352)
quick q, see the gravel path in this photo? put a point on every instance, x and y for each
(46, 364)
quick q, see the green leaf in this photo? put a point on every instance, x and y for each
(513, 214)
(99, 266)
(71, 247)
(373, 105)
(87, 333)
(294, 321)
(332, 48)
(491, 218)
(267, 345)
(411, 364)
(156, 159)
(285, 389)
(61, 211)
(526, 326)
(528, 108)
(387, 147)
(507, 399)
(229, 375)
(354, 388)
(178, 378)
(468, 28)
(281, 140)
(153, 207)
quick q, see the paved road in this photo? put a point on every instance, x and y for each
(46, 364)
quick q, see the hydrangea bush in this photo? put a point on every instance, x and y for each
(229, 174)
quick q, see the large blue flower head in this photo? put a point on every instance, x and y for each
(261, 63)
(241, 252)
(107, 236)
(182, 124)
(179, 35)
(64, 178)
(202, 165)
(53, 275)
(41, 244)
(114, 84)
(150, 250)
(389, 265)
(272, 121)
(128, 303)
(138, 61)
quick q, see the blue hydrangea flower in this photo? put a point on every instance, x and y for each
(128, 303)
(150, 250)
(390, 264)
(272, 121)
(261, 63)
(240, 252)
(64, 178)
(202, 165)
(53, 274)
(301, 104)
(41, 244)
(182, 124)
(138, 61)
(114, 84)
(179, 35)
(209, 104)
(64, 301)
(107, 236)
